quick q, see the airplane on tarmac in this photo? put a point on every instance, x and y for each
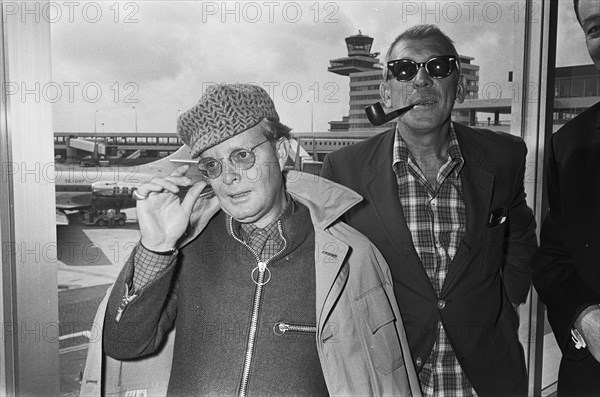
(104, 188)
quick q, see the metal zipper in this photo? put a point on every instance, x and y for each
(281, 328)
(262, 267)
(125, 300)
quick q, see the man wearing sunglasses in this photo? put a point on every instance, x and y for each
(445, 204)
(268, 292)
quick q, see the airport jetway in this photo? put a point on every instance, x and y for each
(135, 155)
(87, 146)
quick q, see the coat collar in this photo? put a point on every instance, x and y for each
(381, 191)
(477, 183)
(325, 200)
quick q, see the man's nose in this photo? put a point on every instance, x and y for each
(230, 172)
(422, 79)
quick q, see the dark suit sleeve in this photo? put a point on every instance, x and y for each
(145, 319)
(520, 242)
(555, 277)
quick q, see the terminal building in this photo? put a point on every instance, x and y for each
(576, 88)
(120, 147)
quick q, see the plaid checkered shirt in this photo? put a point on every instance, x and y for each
(436, 218)
(265, 242)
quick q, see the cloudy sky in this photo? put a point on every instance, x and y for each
(158, 56)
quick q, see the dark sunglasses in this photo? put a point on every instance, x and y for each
(240, 158)
(436, 67)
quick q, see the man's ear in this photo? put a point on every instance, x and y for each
(461, 89)
(385, 93)
(283, 150)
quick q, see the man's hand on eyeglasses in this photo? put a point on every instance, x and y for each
(163, 217)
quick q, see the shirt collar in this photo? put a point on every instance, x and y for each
(244, 230)
(401, 153)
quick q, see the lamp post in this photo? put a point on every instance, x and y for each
(312, 130)
(311, 116)
(135, 116)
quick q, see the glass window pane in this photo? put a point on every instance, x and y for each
(565, 88)
(591, 86)
(577, 87)
(305, 67)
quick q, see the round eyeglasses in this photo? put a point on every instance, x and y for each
(240, 158)
(436, 67)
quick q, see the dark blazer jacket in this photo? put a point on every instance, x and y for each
(567, 265)
(491, 268)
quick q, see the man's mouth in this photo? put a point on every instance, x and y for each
(239, 195)
(425, 103)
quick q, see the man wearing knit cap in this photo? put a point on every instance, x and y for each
(268, 292)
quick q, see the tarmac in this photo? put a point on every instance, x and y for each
(93, 255)
(90, 258)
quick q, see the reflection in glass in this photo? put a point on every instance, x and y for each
(577, 87)
(486, 39)
(591, 86)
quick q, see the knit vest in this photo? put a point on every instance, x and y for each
(215, 300)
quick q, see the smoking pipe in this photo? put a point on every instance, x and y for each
(377, 115)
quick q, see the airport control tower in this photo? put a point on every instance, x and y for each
(364, 71)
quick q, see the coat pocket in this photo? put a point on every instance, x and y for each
(383, 342)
